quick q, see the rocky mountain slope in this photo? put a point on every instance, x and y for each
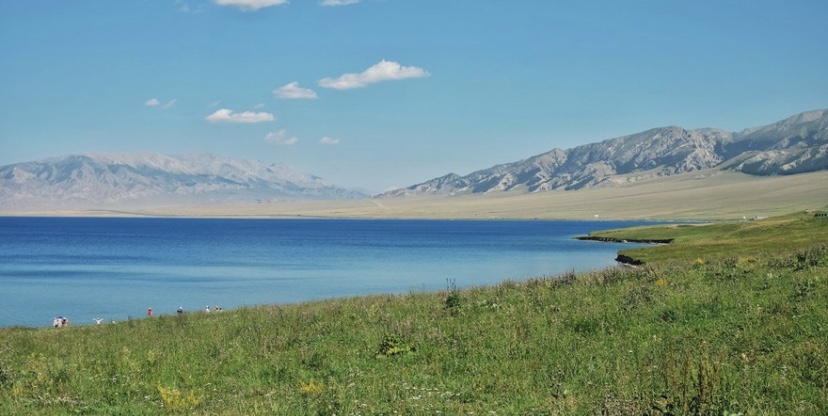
(795, 145)
(136, 179)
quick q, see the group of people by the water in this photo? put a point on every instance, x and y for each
(206, 309)
(62, 321)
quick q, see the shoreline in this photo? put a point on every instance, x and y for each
(622, 259)
(279, 279)
(625, 240)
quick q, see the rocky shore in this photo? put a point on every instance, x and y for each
(627, 260)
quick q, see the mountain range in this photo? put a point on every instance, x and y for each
(149, 179)
(797, 144)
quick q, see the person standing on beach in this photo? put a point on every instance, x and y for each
(149, 312)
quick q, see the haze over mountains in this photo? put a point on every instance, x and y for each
(148, 179)
(797, 144)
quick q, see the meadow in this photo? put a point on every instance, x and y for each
(741, 329)
(750, 237)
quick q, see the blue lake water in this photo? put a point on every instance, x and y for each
(116, 268)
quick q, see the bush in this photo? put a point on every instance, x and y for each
(391, 345)
(453, 300)
(175, 401)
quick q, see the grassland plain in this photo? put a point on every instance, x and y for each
(691, 333)
(704, 195)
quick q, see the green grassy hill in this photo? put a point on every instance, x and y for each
(755, 237)
(713, 333)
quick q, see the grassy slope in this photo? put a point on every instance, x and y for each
(739, 334)
(728, 239)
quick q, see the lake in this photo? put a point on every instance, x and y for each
(117, 268)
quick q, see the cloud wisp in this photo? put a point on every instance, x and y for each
(338, 2)
(154, 102)
(383, 71)
(329, 141)
(225, 115)
(281, 138)
(250, 5)
(293, 91)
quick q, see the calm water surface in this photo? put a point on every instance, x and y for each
(115, 268)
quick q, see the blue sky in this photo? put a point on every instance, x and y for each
(378, 94)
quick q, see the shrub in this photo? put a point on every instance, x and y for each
(692, 386)
(453, 300)
(637, 297)
(392, 345)
(175, 401)
(311, 389)
(811, 257)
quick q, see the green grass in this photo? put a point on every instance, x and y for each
(742, 334)
(726, 239)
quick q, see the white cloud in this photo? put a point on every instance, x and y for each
(184, 7)
(281, 138)
(250, 5)
(154, 102)
(330, 141)
(228, 116)
(383, 71)
(338, 2)
(293, 91)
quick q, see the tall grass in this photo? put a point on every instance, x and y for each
(737, 335)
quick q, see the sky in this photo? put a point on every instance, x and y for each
(378, 94)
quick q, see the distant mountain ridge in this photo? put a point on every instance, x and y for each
(797, 144)
(112, 179)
